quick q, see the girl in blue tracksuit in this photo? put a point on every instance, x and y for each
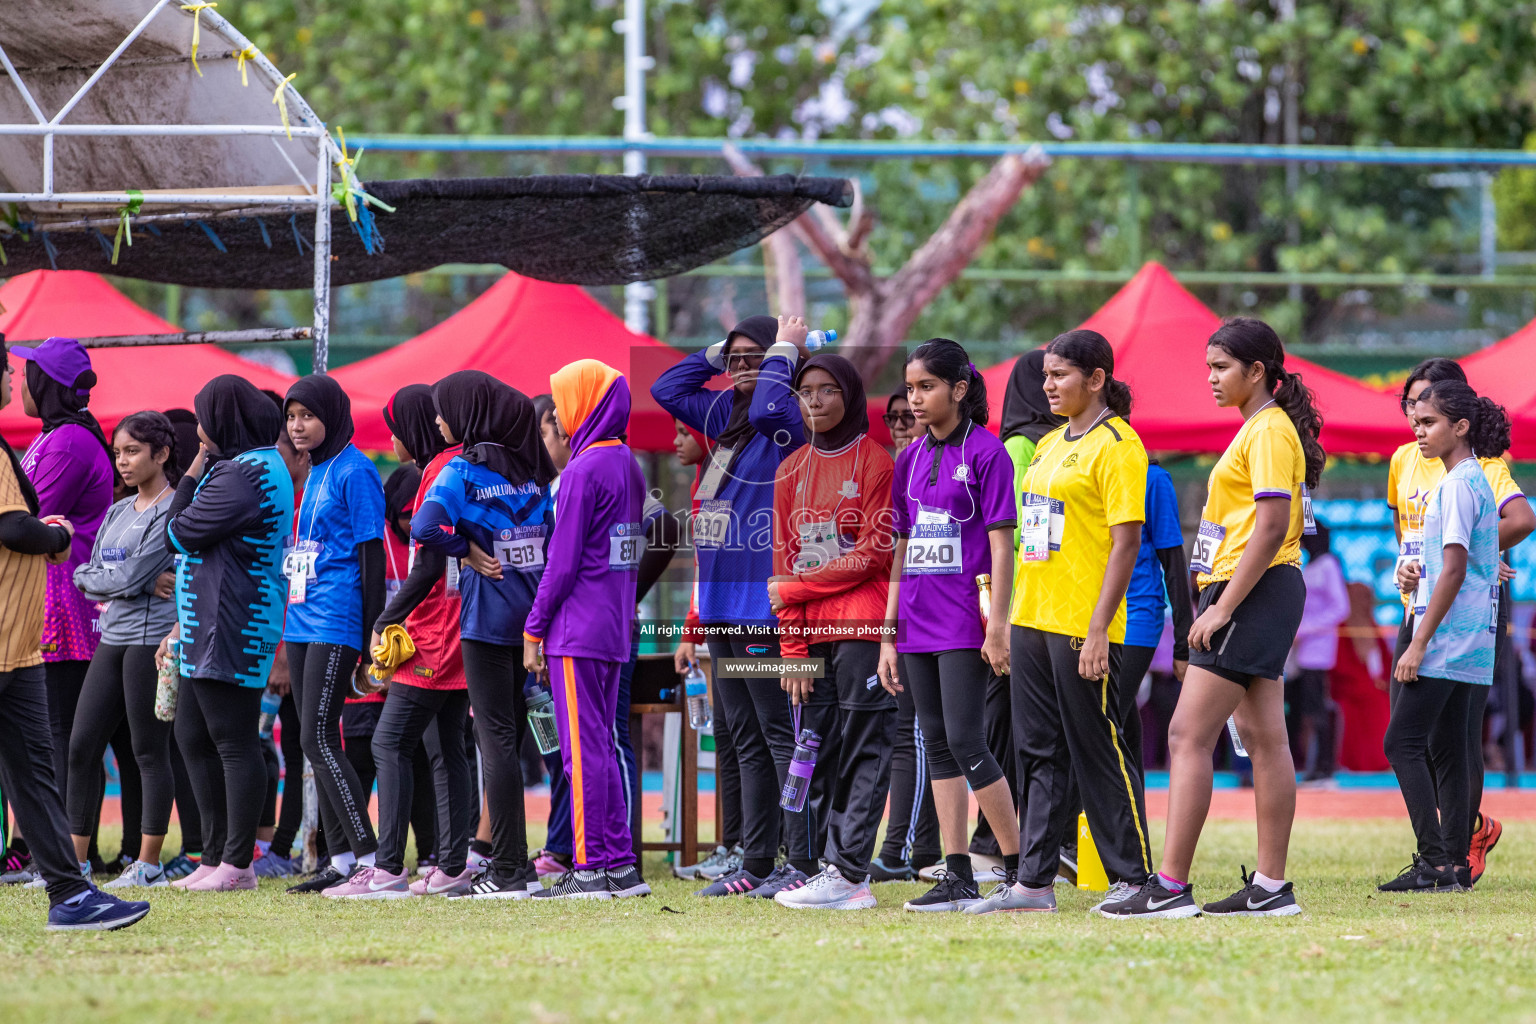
(751, 429)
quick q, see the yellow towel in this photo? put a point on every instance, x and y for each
(395, 649)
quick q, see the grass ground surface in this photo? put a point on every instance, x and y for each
(1354, 954)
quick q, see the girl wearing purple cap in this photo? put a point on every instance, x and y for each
(952, 494)
(70, 464)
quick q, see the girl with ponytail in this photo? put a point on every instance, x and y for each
(952, 497)
(1248, 557)
(1411, 479)
(1084, 502)
(1451, 655)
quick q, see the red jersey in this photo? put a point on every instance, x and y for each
(433, 626)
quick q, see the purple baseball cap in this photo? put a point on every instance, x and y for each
(63, 359)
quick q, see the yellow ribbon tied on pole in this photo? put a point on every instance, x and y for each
(347, 191)
(124, 228)
(196, 10)
(394, 649)
(282, 101)
(249, 53)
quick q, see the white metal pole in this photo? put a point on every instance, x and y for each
(323, 260)
(638, 294)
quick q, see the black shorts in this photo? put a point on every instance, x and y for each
(1255, 643)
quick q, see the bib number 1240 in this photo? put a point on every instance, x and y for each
(933, 549)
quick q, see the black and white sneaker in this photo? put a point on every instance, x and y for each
(1066, 864)
(322, 880)
(1253, 900)
(488, 885)
(582, 884)
(1152, 900)
(949, 895)
(1421, 877)
(626, 881)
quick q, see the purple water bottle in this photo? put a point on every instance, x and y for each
(801, 766)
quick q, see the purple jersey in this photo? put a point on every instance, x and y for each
(73, 477)
(947, 497)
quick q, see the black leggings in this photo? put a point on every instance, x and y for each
(65, 679)
(495, 675)
(186, 802)
(912, 833)
(120, 682)
(1426, 742)
(322, 678)
(950, 691)
(216, 730)
(410, 729)
(291, 816)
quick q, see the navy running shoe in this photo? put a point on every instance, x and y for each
(738, 883)
(95, 911)
(785, 878)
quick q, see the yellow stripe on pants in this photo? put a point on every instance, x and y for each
(1130, 788)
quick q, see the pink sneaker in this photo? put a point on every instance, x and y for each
(225, 878)
(202, 871)
(419, 886)
(548, 865)
(441, 883)
(371, 884)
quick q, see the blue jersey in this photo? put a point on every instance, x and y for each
(230, 590)
(513, 522)
(1147, 596)
(342, 507)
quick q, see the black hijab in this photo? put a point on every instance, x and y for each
(1025, 408)
(236, 416)
(497, 425)
(411, 416)
(324, 397)
(184, 423)
(399, 492)
(28, 492)
(761, 330)
(855, 405)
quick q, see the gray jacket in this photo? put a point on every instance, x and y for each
(128, 556)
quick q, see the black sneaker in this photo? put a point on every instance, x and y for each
(740, 882)
(582, 884)
(626, 881)
(1066, 864)
(949, 895)
(1421, 877)
(488, 885)
(895, 871)
(322, 880)
(1153, 900)
(1255, 901)
(1464, 877)
(785, 877)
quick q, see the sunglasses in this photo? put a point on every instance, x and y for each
(746, 359)
(906, 419)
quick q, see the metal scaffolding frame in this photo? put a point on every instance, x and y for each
(211, 201)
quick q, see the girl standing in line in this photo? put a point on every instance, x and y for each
(954, 517)
(1248, 557)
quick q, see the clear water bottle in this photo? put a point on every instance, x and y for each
(818, 340)
(700, 716)
(541, 719)
(1237, 741)
(801, 767)
(270, 703)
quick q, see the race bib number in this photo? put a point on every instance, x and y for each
(626, 543)
(1411, 549)
(451, 576)
(714, 476)
(934, 550)
(818, 546)
(1421, 597)
(1207, 542)
(300, 559)
(932, 516)
(1308, 521)
(114, 556)
(1493, 610)
(1041, 528)
(521, 548)
(712, 524)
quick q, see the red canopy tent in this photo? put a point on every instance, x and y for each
(1158, 330)
(76, 304)
(1504, 372)
(520, 331)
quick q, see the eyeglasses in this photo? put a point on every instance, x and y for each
(749, 360)
(826, 391)
(906, 419)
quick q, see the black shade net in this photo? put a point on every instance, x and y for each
(573, 229)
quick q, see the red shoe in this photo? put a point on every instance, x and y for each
(1483, 842)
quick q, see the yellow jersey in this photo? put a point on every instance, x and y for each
(1411, 479)
(1264, 460)
(1073, 491)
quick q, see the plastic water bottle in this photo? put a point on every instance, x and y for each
(1237, 741)
(270, 703)
(801, 766)
(700, 716)
(818, 340)
(541, 719)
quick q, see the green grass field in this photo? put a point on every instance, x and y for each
(1354, 954)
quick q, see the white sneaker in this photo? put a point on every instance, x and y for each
(1118, 893)
(828, 891)
(39, 882)
(931, 873)
(140, 875)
